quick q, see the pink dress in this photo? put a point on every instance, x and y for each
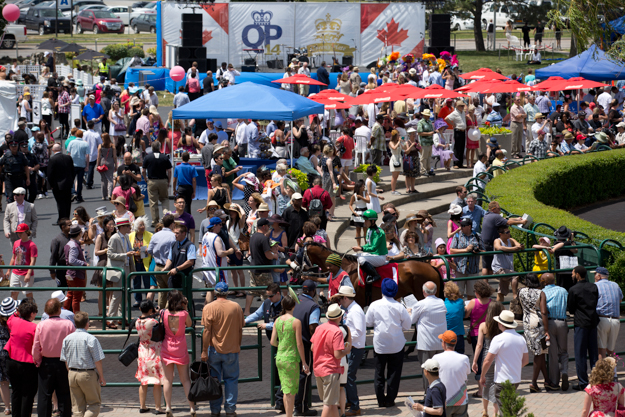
(470, 144)
(604, 398)
(174, 349)
(453, 229)
(476, 314)
(149, 365)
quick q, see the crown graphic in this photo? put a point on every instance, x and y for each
(328, 29)
(262, 18)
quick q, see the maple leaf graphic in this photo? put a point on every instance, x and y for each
(207, 35)
(392, 35)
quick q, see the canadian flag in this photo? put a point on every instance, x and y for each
(385, 28)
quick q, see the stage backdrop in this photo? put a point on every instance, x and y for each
(328, 30)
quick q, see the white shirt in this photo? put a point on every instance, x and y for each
(620, 138)
(454, 371)
(389, 320)
(230, 75)
(604, 100)
(478, 168)
(458, 118)
(354, 319)
(363, 131)
(508, 365)
(209, 256)
(305, 71)
(430, 315)
(93, 139)
(204, 136)
(536, 127)
(240, 133)
(21, 215)
(372, 111)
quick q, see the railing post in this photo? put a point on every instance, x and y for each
(104, 298)
(124, 289)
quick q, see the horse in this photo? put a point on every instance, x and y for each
(412, 274)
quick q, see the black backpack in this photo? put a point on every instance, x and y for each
(315, 208)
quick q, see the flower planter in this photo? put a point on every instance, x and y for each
(505, 142)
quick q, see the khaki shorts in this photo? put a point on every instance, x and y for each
(465, 286)
(18, 281)
(329, 389)
(607, 332)
(260, 280)
(504, 282)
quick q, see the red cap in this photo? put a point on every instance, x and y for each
(448, 337)
(22, 227)
(580, 137)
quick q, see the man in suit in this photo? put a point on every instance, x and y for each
(323, 76)
(121, 255)
(19, 211)
(61, 179)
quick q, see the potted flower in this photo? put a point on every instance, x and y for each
(500, 133)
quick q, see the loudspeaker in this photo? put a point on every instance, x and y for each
(185, 63)
(191, 35)
(347, 60)
(275, 64)
(188, 63)
(200, 54)
(436, 50)
(192, 53)
(440, 29)
(336, 68)
(201, 66)
(211, 65)
(248, 68)
(191, 18)
(250, 61)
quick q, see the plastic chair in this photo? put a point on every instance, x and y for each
(528, 55)
(361, 147)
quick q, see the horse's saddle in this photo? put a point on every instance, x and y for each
(389, 270)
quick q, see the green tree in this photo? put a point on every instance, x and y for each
(467, 9)
(512, 404)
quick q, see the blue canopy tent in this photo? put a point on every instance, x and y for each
(618, 25)
(250, 101)
(592, 64)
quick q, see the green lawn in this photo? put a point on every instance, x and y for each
(472, 60)
(101, 38)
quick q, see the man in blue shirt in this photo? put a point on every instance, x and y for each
(557, 298)
(93, 111)
(79, 151)
(494, 117)
(609, 311)
(185, 181)
(304, 164)
(474, 213)
(181, 258)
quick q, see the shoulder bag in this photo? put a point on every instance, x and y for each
(130, 353)
(205, 387)
(158, 331)
(477, 323)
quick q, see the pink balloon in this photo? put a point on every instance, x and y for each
(177, 73)
(11, 12)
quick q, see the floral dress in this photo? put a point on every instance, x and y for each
(533, 328)
(604, 398)
(287, 358)
(149, 365)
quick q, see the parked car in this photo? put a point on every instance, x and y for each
(88, 7)
(144, 23)
(24, 5)
(44, 19)
(140, 4)
(67, 8)
(505, 12)
(464, 24)
(13, 33)
(99, 21)
(122, 13)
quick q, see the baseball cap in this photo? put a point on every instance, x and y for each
(448, 337)
(262, 222)
(466, 222)
(22, 227)
(309, 284)
(296, 196)
(92, 96)
(214, 221)
(603, 271)
(218, 124)
(221, 287)
(431, 365)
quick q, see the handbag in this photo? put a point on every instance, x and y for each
(102, 168)
(132, 206)
(131, 352)
(476, 323)
(120, 127)
(158, 331)
(205, 387)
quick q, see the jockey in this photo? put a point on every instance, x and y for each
(338, 277)
(374, 251)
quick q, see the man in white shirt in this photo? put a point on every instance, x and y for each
(251, 132)
(509, 352)
(94, 140)
(620, 136)
(213, 255)
(458, 120)
(479, 168)
(372, 112)
(540, 123)
(453, 373)
(355, 320)
(231, 74)
(210, 128)
(241, 138)
(389, 320)
(604, 99)
(430, 316)
(304, 70)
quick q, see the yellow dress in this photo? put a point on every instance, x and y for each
(541, 262)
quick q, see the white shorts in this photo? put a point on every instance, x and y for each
(607, 332)
(18, 281)
(347, 162)
(343, 377)
(375, 260)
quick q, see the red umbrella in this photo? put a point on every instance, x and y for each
(331, 105)
(368, 98)
(549, 82)
(510, 86)
(407, 89)
(483, 74)
(476, 86)
(435, 91)
(331, 94)
(386, 87)
(298, 79)
(575, 83)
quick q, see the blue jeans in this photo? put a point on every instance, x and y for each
(585, 341)
(136, 281)
(226, 367)
(351, 392)
(460, 344)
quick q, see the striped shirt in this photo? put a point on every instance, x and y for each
(556, 301)
(466, 264)
(610, 296)
(81, 350)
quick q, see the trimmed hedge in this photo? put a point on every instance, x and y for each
(547, 188)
